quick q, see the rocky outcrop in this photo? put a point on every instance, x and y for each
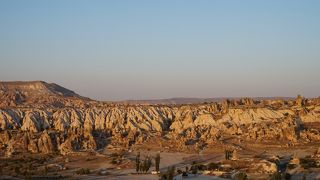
(79, 124)
(68, 129)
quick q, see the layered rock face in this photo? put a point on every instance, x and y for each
(41, 128)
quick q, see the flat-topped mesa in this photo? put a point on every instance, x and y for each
(36, 94)
(32, 88)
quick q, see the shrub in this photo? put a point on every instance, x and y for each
(287, 176)
(202, 167)
(308, 163)
(291, 166)
(241, 176)
(83, 171)
(184, 174)
(304, 177)
(212, 166)
(17, 170)
(114, 161)
(276, 176)
(170, 173)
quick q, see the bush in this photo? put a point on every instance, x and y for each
(83, 171)
(114, 161)
(276, 176)
(164, 176)
(194, 168)
(202, 167)
(291, 166)
(304, 177)
(308, 163)
(287, 176)
(184, 174)
(212, 166)
(17, 170)
(241, 176)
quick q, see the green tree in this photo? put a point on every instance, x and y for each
(304, 177)
(170, 172)
(142, 167)
(145, 165)
(157, 161)
(287, 176)
(173, 169)
(148, 163)
(138, 162)
(45, 170)
(17, 170)
(228, 154)
(194, 168)
(212, 166)
(276, 176)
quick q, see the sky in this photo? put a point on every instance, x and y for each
(124, 49)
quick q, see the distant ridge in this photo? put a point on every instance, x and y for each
(40, 92)
(183, 100)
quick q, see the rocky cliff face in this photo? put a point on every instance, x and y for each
(48, 129)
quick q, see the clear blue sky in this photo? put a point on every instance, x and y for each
(114, 50)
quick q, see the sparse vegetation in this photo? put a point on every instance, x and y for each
(83, 171)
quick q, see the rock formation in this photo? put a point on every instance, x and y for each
(82, 124)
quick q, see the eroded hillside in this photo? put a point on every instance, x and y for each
(39, 128)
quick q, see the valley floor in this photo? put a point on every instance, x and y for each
(120, 164)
